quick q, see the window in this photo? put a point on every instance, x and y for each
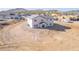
(35, 20)
(36, 25)
(50, 19)
(11, 17)
(12, 14)
(28, 25)
(50, 23)
(41, 19)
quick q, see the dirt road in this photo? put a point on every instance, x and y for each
(63, 36)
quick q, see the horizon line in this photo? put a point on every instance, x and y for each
(60, 9)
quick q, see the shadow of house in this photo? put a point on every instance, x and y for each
(58, 27)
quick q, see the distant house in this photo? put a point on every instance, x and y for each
(6, 16)
(39, 21)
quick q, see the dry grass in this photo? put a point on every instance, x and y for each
(63, 36)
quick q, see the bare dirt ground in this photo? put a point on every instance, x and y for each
(62, 36)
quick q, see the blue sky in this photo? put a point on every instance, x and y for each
(61, 9)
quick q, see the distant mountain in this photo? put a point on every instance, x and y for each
(12, 11)
(17, 9)
(7, 12)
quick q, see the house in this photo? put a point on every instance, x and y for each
(5, 16)
(39, 21)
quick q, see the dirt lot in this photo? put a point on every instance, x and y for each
(62, 36)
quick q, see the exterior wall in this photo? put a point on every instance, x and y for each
(7, 17)
(1, 16)
(50, 22)
(29, 22)
(40, 19)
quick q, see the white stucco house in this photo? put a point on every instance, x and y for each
(39, 21)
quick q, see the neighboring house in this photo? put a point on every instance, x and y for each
(10, 16)
(3, 16)
(39, 21)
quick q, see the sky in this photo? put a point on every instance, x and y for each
(61, 9)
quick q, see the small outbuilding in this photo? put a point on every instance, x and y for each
(39, 21)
